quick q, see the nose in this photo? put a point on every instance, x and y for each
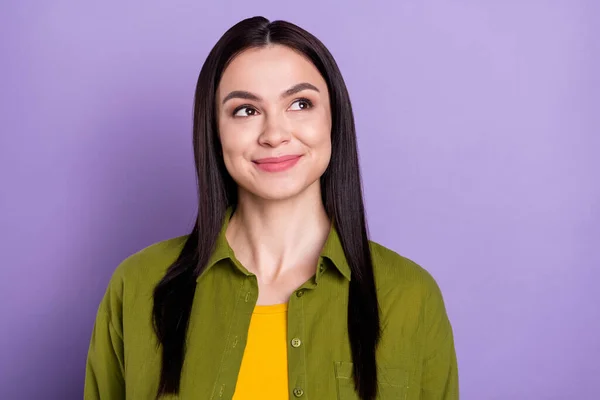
(276, 130)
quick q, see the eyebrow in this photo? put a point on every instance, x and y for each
(242, 94)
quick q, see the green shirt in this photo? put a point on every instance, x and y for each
(416, 357)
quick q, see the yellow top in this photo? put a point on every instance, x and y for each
(264, 370)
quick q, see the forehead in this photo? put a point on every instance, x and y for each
(267, 71)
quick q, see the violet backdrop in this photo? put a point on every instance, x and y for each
(478, 135)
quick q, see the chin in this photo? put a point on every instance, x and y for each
(280, 191)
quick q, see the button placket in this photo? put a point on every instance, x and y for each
(234, 349)
(297, 355)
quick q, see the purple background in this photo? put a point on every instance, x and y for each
(479, 149)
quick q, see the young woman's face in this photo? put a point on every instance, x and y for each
(272, 103)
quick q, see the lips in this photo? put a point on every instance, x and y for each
(275, 160)
(277, 164)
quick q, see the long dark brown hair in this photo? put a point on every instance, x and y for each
(341, 194)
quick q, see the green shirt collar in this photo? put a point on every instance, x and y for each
(332, 250)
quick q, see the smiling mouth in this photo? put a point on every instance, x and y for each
(272, 160)
(277, 164)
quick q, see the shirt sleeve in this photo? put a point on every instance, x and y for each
(440, 371)
(105, 368)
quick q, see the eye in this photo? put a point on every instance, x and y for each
(244, 111)
(301, 104)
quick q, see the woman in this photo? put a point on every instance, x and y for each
(277, 292)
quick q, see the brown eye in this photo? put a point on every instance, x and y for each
(301, 104)
(244, 111)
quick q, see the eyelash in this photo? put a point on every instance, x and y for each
(302, 99)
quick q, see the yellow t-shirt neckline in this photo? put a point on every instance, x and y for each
(270, 309)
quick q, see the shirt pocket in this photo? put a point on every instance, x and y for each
(393, 382)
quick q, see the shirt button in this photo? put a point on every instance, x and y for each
(298, 392)
(247, 297)
(300, 293)
(296, 342)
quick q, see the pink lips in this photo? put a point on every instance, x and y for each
(276, 164)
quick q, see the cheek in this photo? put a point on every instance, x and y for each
(318, 135)
(233, 140)
(324, 127)
(231, 151)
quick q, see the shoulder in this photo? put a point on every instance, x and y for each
(130, 289)
(394, 272)
(408, 293)
(143, 269)
(412, 306)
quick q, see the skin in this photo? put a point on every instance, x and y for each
(280, 225)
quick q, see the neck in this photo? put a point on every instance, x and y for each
(274, 238)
